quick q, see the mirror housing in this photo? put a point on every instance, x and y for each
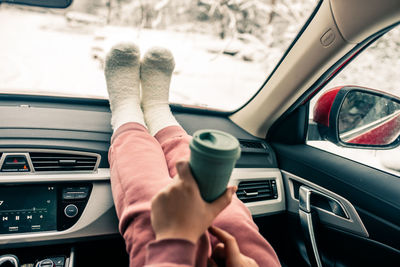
(41, 3)
(353, 116)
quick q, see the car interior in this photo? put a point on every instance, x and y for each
(314, 207)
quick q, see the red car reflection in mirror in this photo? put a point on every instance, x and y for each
(352, 115)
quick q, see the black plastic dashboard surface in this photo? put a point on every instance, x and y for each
(84, 125)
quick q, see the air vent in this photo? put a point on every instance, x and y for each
(257, 190)
(62, 162)
(252, 146)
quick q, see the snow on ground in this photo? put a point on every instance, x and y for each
(42, 52)
(36, 57)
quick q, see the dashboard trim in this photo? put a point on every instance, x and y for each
(266, 206)
(99, 218)
(102, 174)
(25, 152)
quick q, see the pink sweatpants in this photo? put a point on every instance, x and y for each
(141, 165)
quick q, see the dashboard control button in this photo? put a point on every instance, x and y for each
(71, 211)
(15, 163)
(80, 195)
(68, 195)
(75, 192)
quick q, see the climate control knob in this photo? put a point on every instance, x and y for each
(71, 211)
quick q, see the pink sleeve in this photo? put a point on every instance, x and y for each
(170, 252)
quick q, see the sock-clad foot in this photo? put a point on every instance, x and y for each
(122, 72)
(155, 74)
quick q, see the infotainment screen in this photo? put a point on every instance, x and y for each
(27, 209)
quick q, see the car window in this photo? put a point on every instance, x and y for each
(224, 50)
(377, 68)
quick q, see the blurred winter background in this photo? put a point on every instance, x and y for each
(224, 49)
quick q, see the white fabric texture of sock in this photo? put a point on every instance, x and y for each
(155, 74)
(122, 72)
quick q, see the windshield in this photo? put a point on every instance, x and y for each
(224, 50)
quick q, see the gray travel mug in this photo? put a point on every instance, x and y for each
(212, 159)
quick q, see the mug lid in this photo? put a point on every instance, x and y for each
(216, 143)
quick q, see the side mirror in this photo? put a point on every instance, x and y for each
(354, 116)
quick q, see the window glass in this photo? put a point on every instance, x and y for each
(377, 68)
(224, 50)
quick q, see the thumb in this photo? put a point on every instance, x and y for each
(223, 201)
(185, 174)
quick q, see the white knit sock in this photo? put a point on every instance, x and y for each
(122, 71)
(155, 74)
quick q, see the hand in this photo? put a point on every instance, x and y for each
(227, 253)
(179, 211)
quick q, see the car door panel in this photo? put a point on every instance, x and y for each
(373, 193)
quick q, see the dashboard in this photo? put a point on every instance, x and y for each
(55, 178)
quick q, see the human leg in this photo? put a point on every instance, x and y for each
(137, 164)
(138, 172)
(236, 218)
(156, 70)
(174, 142)
(122, 73)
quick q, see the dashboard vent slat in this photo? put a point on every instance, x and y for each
(252, 146)
(62, 162)
(35, 156)
(257, 190)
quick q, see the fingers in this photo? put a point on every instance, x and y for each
(218, 254)
(185, 175)
(223, 201)
(231, 247)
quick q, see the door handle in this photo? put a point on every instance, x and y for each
(307, 220)
(309, 198)
(333, 210)
(313, 198)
